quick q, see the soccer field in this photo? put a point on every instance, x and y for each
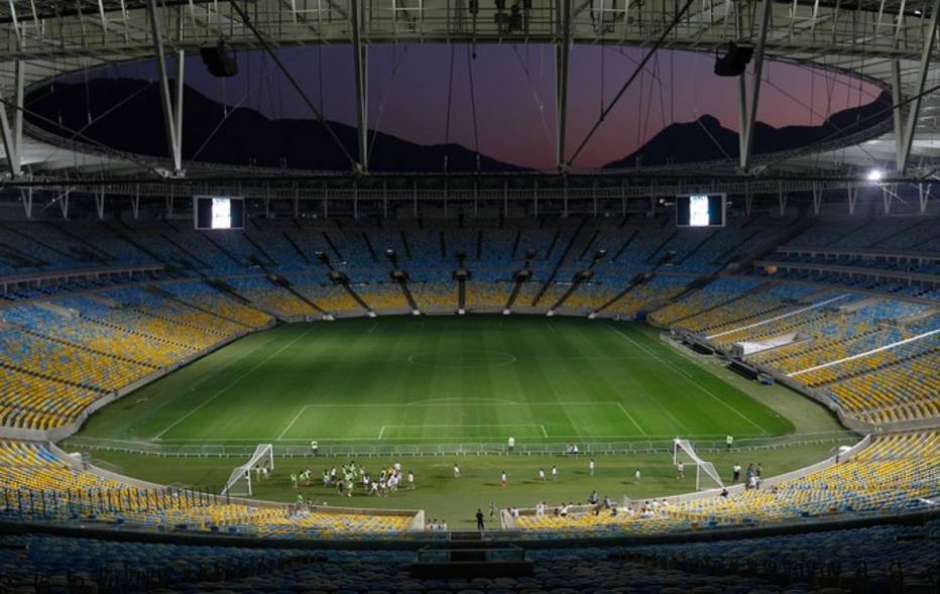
(439, 379)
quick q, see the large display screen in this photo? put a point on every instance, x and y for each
(700, 210)
(215, 212)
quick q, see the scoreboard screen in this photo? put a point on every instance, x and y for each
(701, 210)
(216, 212)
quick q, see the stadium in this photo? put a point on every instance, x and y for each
(266, 327)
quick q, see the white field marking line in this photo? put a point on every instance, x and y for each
(544, 432)
(780, 317)
(443, 401)
(446, 402)
(381, 432)
(690, 379)
(629, 416)
(300, 412)
(364, 439)
(866, 353)
(232, 383)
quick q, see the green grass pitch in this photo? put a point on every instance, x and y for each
(439, 379)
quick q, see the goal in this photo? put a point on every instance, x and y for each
(682, 451)
(239, 482)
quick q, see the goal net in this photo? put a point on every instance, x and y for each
(240, 481)
(682, 451)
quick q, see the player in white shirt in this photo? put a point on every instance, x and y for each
(554, 472)
(456, 471)
(541, 474)
(591, 466)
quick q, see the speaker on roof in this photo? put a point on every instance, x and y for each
(735, 60)
(220, 60)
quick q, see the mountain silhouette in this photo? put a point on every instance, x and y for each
(237, 136)
(705, 139)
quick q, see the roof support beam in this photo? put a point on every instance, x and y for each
(748, 112)
(172, 115)
(362, 87)
(13, 134)
(904, 149)
(562, 49)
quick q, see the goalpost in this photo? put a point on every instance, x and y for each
(239, 482)
(684, 446)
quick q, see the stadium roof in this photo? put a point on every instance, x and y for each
(890, 43)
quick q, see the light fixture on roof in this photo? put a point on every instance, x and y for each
(875, 175)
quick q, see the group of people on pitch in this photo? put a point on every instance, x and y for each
(345, 479)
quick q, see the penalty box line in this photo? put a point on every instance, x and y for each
(439, 426)
(619, 405)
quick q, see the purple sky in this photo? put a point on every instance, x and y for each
(514, 89)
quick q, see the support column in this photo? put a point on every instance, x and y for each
(172, 115)
(562, 55)
(817, 198)
(853, 198)
(13, 135)
(27, 197)
(64, 204)
(362, 89)
(99, 204)
(923, 195)
(135, 203)
(748, 113)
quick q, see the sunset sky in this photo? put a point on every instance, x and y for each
(514, 89)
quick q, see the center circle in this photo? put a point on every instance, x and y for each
(462, 360)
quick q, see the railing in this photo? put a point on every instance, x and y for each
(384, 449)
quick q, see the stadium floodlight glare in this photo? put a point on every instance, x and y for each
(875, 175)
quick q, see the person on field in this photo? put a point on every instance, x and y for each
(542, 474)
(411, 480)
(680, 470)
(314, 447)
(480, 525)
(591, 467)
(511, 443)
(456, 471)
(736, 473)
(503, 478)
(554, 472)
(636, 475)
(729, 441)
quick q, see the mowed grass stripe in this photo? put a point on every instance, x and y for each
(280, 383)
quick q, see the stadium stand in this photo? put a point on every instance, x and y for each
(65, 347)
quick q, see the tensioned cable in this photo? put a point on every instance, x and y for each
(386, 93)
(698, 120)
(450, 97)
(211, 135)
(473, 105)
(890, 109)
(662, 38)
(246, 20)
(109, 151)
(107, 112)
(539, 102)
